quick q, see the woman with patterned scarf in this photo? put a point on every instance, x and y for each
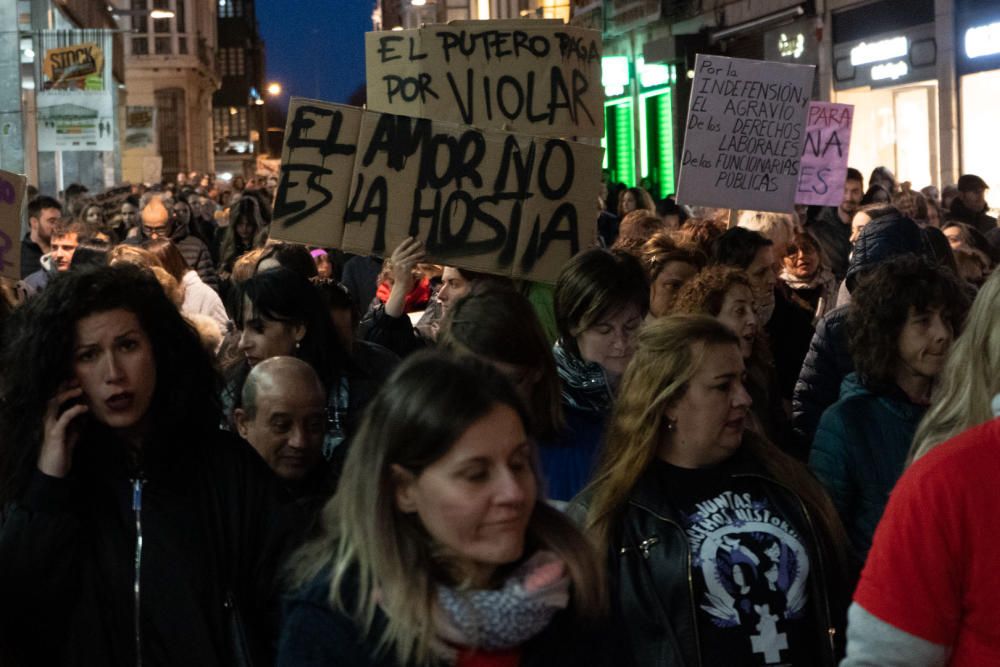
(811, 285)
(439, 548)
(601, 298)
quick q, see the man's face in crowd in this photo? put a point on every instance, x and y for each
(853, 192)
(63, 248)
(974, 200)
(288, 427)
(160, 230)
(42, 225)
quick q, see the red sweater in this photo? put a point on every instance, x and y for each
(479, 658)
(933, 570)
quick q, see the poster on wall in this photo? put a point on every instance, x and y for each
(139, 127)
(75, 100)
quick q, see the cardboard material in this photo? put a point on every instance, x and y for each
(531, 76)
(824, 154)
(497, 202)
(111, 200)
(745, 132)
(12, 188)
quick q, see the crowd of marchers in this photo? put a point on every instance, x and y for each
(722, 438)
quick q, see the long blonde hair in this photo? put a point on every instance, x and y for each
(426, 405)
(970, 378)
(670, 351)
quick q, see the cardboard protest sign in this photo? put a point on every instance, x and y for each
(824, 155)
(531, 76)
(111, 200)
(497, 202)
(12, 187)
(745, 130)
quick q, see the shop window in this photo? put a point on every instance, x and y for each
(980, 99)
(140, 46)
(163, 46)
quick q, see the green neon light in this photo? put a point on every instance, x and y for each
(619, 141)
(657, 136)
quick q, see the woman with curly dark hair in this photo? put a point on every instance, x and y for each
(904, 316)
(132, 527)
(726, 294)
(669, 265)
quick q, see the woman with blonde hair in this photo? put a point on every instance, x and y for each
(720, 547)
(438, 548)
(970, 379)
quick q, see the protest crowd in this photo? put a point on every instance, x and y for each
(680, 454)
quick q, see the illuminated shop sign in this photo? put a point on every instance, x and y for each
(982, 40)
(792, 46)
(874, 52)
(890, 71)
(615, 75)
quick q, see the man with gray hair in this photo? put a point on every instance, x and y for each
(283, 416)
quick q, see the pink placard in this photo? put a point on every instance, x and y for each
(824, 154)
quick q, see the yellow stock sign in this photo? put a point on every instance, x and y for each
(73, 62)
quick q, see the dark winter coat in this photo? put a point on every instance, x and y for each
(211, 524)
(826, 364)
(31, 256)
(980, 220)
(315, 635)
(834, 239)
(858, 454)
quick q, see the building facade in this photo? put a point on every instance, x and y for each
(922, 74)
(408, 14)
(170, 78)
(238, 113)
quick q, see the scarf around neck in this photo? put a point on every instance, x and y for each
(505, 618)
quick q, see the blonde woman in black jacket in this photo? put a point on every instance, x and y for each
(721, 549)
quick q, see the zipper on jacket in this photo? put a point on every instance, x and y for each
(831, 631)
(136, 583)
(694, 608)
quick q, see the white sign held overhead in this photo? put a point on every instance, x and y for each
(745, 132)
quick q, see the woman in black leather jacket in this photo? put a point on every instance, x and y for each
(721, 549)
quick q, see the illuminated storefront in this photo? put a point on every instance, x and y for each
(639, 122)
(890, 77)
(619, 120)
(979, 89)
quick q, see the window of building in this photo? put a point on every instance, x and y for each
(458, 10)
(139, 22)
(163, 46)
(140, 46)
(181, 19)
(171, 127)
(232, 62)
(182, 45)
(230, 8)
(161, 25)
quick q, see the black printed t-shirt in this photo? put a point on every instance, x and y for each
(749, 567)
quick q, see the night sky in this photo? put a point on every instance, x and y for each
(315, 48)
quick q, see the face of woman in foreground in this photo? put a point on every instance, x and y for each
(113, 362)
(708, 419)
(476, 500)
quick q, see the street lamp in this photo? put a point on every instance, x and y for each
(274, 89)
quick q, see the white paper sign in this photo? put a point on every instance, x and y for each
(745, 131)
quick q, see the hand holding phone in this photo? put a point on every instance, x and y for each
(58, 436)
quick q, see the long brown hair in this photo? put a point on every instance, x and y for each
(670, 351)
(432, 399)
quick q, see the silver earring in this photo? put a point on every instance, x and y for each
(671, 424)
(298, 344)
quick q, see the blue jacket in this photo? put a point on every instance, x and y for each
(859, 451)
(568, 463)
